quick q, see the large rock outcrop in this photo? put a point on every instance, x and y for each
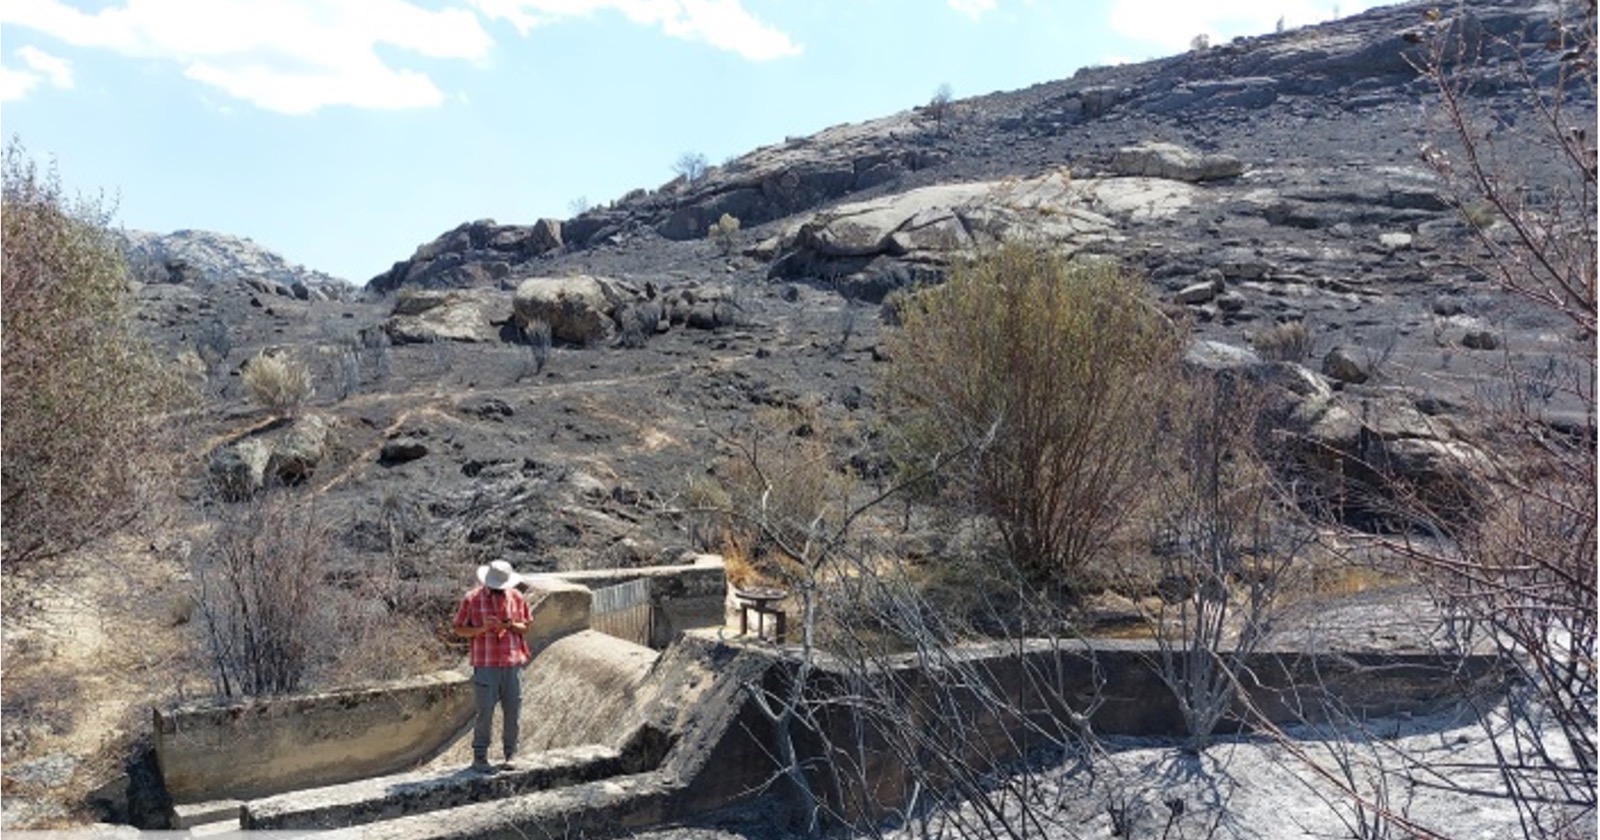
(280, 454)
(868, 248)
(203, 256)
(1366, 453)
(1376, 451)
(479, 253)
(775, 181)
(578, 309)
(428, 315)
(1169, 160)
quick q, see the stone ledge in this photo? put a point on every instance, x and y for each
(199, 813)
(704, 576)
(178, 719)
(397, 796)
(598, 808)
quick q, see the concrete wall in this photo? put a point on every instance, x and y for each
(701, 743)
(695, 698)
(581, 689)
(394, 797)
(682, 597)
(268, 746)
(558, 607)
(984, 706)
(965, 710)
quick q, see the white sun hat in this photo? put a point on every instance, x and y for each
(498, 575)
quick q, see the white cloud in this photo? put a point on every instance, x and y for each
(291, 56)
(56, 70)
(16, 84)
(1172, 24)
(724, 24)
(973, 8)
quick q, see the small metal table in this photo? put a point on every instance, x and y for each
(759, 600)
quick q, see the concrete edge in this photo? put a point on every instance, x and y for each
(597, 808)
(192, 814)
(401, 795)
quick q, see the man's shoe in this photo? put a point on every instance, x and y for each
(484, 767)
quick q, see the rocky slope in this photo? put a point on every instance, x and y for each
(202, 256)
(1270, 181)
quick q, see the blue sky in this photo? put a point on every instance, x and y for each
(344, 133)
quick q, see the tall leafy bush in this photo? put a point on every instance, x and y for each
(1047, 372)
(83, 392)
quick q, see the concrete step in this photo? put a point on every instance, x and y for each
(405, 794)
(604, 808)
(216, 830)
(192, 814)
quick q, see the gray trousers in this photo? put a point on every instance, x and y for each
(491, 687)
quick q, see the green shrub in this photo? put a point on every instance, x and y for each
(1044, 376)
(82, 429)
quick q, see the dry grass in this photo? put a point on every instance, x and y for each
(725, 233)
(277, 381)
(1289, 341)
(740, 569)
(1343, 580)
(777, 494)
(385, 647)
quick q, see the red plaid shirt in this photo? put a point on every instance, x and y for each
(504, 649)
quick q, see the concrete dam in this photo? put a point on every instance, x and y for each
(679, 719)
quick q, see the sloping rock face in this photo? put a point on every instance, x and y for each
(1265, 182)
(202, 256)
(772, 182)
(872, 247)
(474, 254)
(1189, 118)
(1201, 165)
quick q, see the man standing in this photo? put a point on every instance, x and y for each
(495, 617)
